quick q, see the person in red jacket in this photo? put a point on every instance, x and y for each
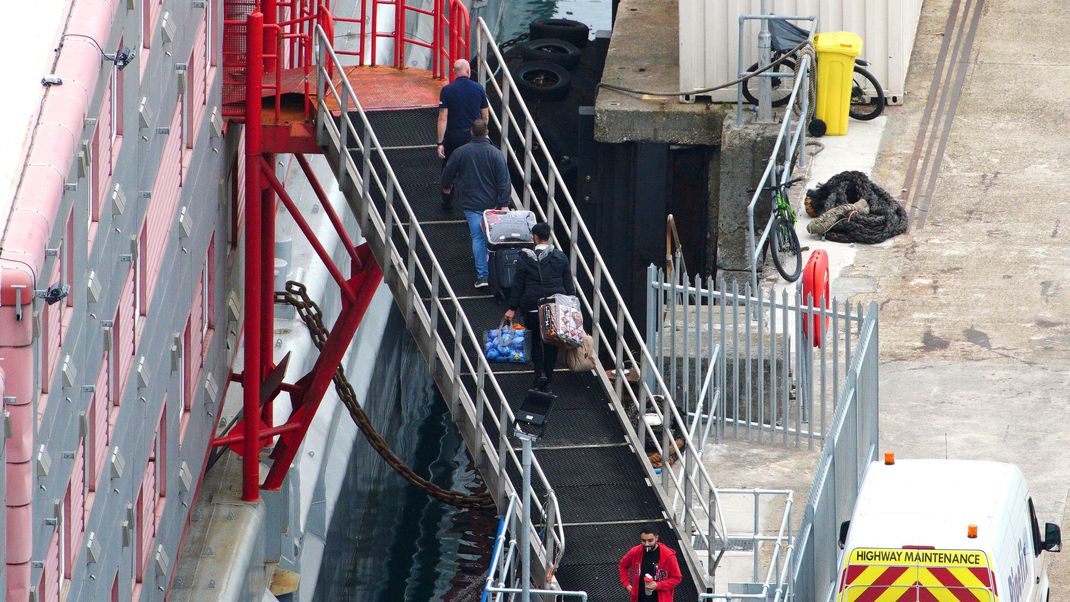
(654, 559)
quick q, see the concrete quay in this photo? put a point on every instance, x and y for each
(975, 325)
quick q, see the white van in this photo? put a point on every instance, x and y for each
(944, 530)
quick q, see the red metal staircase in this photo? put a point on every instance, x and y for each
(269, 86)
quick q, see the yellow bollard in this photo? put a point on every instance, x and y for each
(836, 52)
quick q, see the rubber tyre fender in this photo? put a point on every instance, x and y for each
(552, 51)
(542, 81)
(815, 285)
(561, 29)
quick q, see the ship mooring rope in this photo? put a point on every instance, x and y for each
(296, 296)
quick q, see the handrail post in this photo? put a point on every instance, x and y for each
(551, 200)
(410, 271)
(365, 174)
(343, 134)
(506, 94)
(596, 310)
(765, 106)
(666, 426)
(321, 89)
(481, 396)
(711, 554)
(436, 280)
(805, 88)
(458, 342)
(551, 536)
(691, 458)
(527, 165)
(503, 447)
(481, 58)
(388, 228)
(525, 527)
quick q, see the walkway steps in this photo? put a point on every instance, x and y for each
(603, 493)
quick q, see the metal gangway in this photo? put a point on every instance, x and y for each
(593, 481)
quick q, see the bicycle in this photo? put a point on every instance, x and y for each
(867, 94)
(787, 252)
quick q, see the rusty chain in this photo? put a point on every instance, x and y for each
(310, 313)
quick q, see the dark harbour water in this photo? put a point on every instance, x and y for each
(513, 19)
(389, 541)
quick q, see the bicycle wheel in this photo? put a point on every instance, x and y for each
(787, 253)
(782, 83)
(867, 95)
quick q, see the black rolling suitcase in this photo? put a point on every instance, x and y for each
(502, 264)
(508, 232)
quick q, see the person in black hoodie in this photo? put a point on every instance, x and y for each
(541, 272)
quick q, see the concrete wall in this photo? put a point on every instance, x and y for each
(68, 350)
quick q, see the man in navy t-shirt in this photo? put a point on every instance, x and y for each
(460, 103)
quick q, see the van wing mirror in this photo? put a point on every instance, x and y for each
(844, 527)
(1053, 539)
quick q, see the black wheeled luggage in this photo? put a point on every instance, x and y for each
(508, 232)
(502, 264)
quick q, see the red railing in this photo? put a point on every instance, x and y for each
(289, 34)
(288, 30)
(458, 37)
(450, 33)
(267, 49)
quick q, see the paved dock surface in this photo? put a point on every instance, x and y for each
(974, 299)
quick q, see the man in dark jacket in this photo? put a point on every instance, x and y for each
(540, 273)
(652, 558)
(460, 104)
(480, 176)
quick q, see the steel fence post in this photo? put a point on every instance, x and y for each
(765, 55)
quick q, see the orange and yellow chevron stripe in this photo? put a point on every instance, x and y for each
(873, 575)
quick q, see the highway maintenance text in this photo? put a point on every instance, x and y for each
(922, 557)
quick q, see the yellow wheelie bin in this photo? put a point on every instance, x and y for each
(836, 52)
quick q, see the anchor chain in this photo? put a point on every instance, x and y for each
(296, 296)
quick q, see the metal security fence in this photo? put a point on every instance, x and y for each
(850, 446)
(782, 363)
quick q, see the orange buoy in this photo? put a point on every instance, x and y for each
(815, 290)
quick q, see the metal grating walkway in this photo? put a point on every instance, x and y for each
(597, 477)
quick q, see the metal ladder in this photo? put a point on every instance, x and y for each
(454, 351)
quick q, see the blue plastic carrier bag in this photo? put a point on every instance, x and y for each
(506, 344)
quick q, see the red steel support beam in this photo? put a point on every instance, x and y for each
(264, 434)
(254, 79)
(328, 208)
(363, 286)
(267, 283)
(347, 292)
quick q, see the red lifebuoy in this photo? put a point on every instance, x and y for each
(815, 287)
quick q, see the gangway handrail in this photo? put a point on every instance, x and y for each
(627, 337)
(777, 584)
(433, 276)
(780, 174)
(498, 577)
